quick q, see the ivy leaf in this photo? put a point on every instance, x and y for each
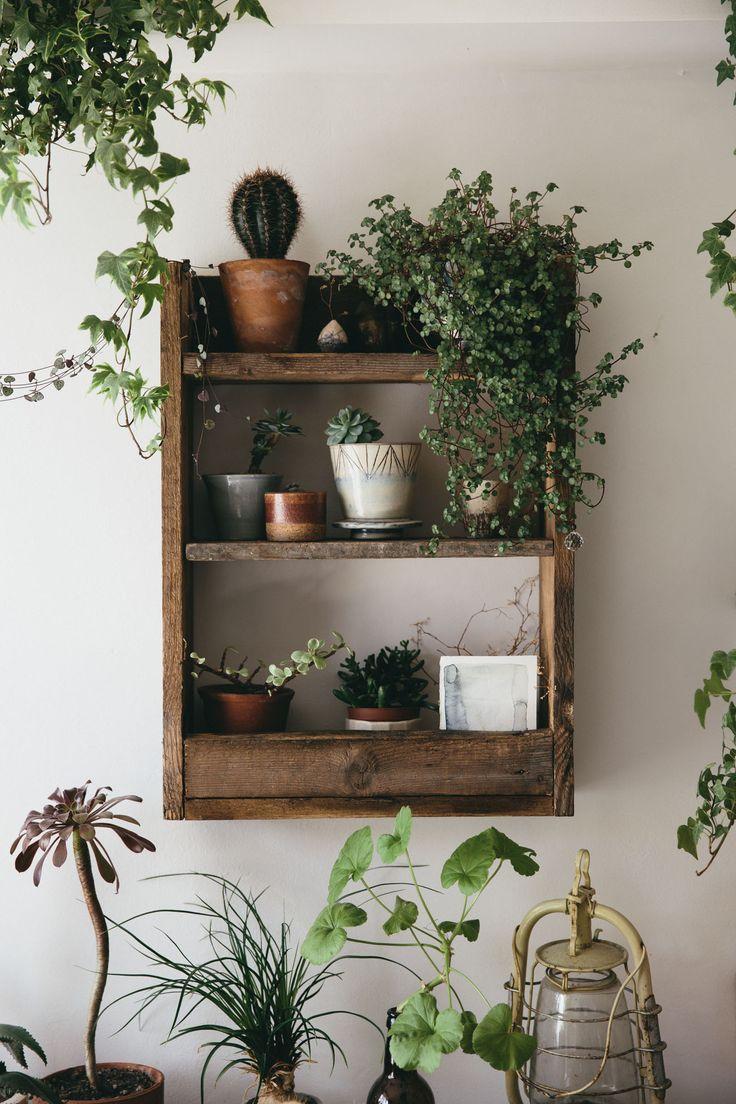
(170, 167)
(519, 856)
(468, 865)
(404, 915)
(352, 862)
(469, 929)
(391, 845)
(495, 1041)
(701, 704)
(117, 267)
(421, 1034)
(687, 839)
(328, 933)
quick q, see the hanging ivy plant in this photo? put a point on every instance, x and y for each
(498, 295)
(86, 77)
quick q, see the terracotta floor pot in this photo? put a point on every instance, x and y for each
(296, 515)
(232, 712)
(154, 1094)
(265, 301)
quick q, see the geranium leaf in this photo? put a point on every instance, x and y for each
(469, 929)
(391, 845)
(353, 861)
(328, 933)
(421, 1034)
(521, 858)
(468, 865)
(404, 915)
(470, 1023)
(495, 1041)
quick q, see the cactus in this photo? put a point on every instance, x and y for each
(352, 427)
(265, 213)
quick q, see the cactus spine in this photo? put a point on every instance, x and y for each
(265, 213)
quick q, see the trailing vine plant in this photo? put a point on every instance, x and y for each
(85, 77)
(498, 296)
(722, 271)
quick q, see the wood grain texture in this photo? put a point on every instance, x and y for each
(353, 764)
(313, 367)
(174, 495)
(564, 666)
(234, 808)
(227, 551)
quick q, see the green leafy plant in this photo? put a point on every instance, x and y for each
(497, 296)
(314, 656)
(16, 1041)
(92, 78)
(424, 1032)
(352, 426)
(716, 812)
(267, 432)
(392, 677)
(265, 1000)
(265, 213)
(73, 816)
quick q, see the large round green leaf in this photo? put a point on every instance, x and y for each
(496, 1041)
(421, 1034)
(352, 862)
(395, 843)
(327, 935)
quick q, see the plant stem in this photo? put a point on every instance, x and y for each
(97, 916)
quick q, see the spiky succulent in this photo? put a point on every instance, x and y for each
(267, 432)
(17, 1040)
(265, 213)
(352, 426)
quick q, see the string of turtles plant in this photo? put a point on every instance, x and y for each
(85, 77)
(722, 271)
(498, 296)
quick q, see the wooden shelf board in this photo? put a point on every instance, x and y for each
(313, 367)
(228, 551)
(327, 773)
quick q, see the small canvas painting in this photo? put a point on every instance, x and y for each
(488, 693)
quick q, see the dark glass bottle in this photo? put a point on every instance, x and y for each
(398, 1086)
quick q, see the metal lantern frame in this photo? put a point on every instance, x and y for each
(587, 953)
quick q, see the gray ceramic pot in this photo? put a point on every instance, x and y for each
(237, 504)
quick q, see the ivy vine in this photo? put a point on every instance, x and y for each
(86, 77)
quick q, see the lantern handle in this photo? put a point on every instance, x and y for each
(582, 870)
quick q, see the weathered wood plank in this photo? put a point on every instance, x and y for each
(349, 764)
(314, 367)
(313, 807)
(219, 551)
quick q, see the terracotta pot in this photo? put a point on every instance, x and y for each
(154, 1094)
(265, 301)
(391, 719)
(232, 712)
(296, 515)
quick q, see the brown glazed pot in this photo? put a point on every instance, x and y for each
(154, 1094)
(232, 712)
(265, 301)
(388, 713)
(296, 515)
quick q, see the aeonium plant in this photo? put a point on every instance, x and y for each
(437, 1018)
(73, 820)
(497, 295)
(267, 432)
(16, 1041)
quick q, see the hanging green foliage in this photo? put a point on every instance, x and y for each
(498, 296)
(88, 77)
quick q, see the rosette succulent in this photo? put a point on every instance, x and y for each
(352, 426)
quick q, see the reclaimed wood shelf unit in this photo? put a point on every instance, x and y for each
(331, 774)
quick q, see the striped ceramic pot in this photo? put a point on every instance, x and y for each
(375, 481)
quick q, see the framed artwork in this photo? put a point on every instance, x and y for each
(488, 693)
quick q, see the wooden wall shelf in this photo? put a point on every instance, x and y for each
(333, 774)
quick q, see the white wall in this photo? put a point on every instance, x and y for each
(625, 117)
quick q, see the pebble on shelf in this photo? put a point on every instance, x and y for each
(332, 339)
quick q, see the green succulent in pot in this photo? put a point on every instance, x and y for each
(267, 432)
(496, 294)
(385, 686)
(352, 426)
(16, 1041)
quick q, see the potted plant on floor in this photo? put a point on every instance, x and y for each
(496, 295)
(265, 295)
(237, 500)
(374, 480)
(385, 690)
(73, 820)
(262, 995)
(423, 1031)
(16, 1041)
(243, 705)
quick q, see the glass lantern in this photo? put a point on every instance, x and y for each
(590, 1006)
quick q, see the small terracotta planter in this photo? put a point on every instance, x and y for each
(393, 718)
(232, 712)
(296, 515)
(154, 1094)
(265, 301)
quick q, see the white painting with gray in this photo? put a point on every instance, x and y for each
(488, 693)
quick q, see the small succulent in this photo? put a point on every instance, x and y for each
(352, 426)
(300, 662)
(17, 1040)
(267, 432)
(393, 677)
(265, 213)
